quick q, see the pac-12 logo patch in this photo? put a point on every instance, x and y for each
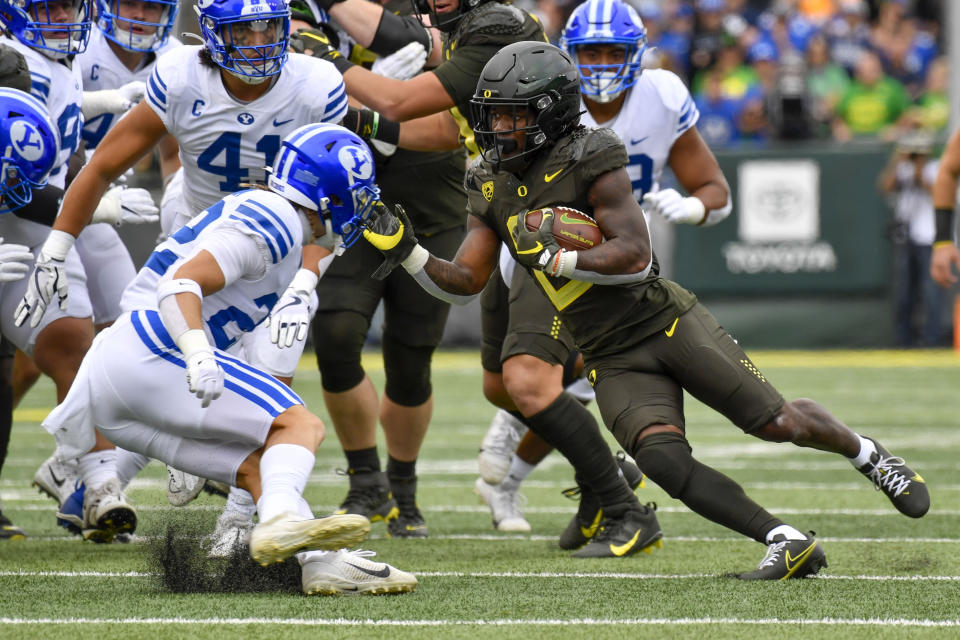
(487, 190)
(356, 161)
(26, 140)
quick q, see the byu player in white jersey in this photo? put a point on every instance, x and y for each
(187, 310)
(654, 115)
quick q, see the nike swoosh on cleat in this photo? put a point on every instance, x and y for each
(620, 549)
(795, 563)
(380, 573)
(57, 481)
(589, 532)
(280, 123)
(547, 177)
(672, 328)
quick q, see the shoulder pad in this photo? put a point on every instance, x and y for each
(594, 151)
(491, 23)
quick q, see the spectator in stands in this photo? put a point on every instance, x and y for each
(718, 113)
(932, 109)
(849, 33)
(872, 103)
(908, 179)
(708, 36)
(673, 42)
(827, 83)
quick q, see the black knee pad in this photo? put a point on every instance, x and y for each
(666, 459)
(407, 370)
(338, 339)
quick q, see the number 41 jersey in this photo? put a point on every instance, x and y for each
(658, 110)
(225, 142)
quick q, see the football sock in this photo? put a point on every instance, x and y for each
(519, 470)
(240, 501)
(129, 464)
(403, 480)
(367, 459)
(284, 470)
(787, 531)
(572, 430)
(97, 467)
(399, 469)
(867, 449)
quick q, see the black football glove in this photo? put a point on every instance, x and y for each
(537, 249)
(392, 234)
(321, 43)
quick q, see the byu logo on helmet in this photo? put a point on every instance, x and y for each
(357, 162)
(26, 140)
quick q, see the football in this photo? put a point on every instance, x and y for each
(574, 230)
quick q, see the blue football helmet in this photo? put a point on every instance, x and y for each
(606, 22)
(123, 30)
(55, 27)
(30, 144)
(229, 26)
(329, 169)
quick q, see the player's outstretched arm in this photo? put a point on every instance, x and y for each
(945, 257)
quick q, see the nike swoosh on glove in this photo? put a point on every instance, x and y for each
(392, 234)
(537, 249)
(49, 277)
(123, 205)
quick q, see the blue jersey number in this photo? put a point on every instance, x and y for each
(643, 184)
(94, 129)
(228, 145)
(69, 125)
(231, 314)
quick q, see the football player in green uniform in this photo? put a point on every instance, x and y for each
(644, 338)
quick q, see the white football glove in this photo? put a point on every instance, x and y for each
(123, 205)
(15, 260)
(403, 63)
(96, 103)
(49, 277)
(289, 319)
(674, 207)
(204, 377)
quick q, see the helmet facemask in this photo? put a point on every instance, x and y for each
(250, 47)
(59, 29)
(605, 82)
(146, 34)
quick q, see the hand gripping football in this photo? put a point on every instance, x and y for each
(573, 230)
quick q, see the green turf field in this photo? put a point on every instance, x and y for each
(889, 576)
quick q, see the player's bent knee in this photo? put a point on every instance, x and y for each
(338, 339)
(784, 427)
(407, 371)
(297, 425)
(494, 391)
(665, 457)
(531, 381)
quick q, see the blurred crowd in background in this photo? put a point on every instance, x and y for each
(768, 70)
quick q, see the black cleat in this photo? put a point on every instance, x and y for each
(409, 522)
(905, 488)
(584, 524)
(10, 531)
(369, 495)
(786, 559)
(636, 530)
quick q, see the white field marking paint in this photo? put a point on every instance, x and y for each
(546, 575)
(497, 622)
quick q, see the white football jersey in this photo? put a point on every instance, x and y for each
(657, 110)
(101, 69)
(57, 84)
(241, 305)
(224, 142)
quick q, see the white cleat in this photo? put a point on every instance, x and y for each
(57, 478)
(350, 573)
(287, 533)
(232, 534)
(107, 513)
(183, 487)
(504, 507)
(498, 446)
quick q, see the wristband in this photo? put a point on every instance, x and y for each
(304, 281)
(943, 222)
(193, 342)
(942, 243)
(416, 260)
(385, 130)
(58, 245)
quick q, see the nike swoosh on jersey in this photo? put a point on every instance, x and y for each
(620, 549)
(380, 573)
(794, 563)
(638, 141)
(547, 177)
(672, 328)
(280, 123)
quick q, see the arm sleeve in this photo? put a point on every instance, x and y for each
(43, 207)
(394, 32)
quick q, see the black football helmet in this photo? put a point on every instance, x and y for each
(538, 84)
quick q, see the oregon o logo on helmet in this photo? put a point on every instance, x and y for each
(356, 161)
(26, 140)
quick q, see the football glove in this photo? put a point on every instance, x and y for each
(204, 377)
(49, 277)
(15, 261)
(674, 207)
(122, 205)
(289, 319)
(538, 249)
(392, 234)
(402, 64)
(96, 103)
